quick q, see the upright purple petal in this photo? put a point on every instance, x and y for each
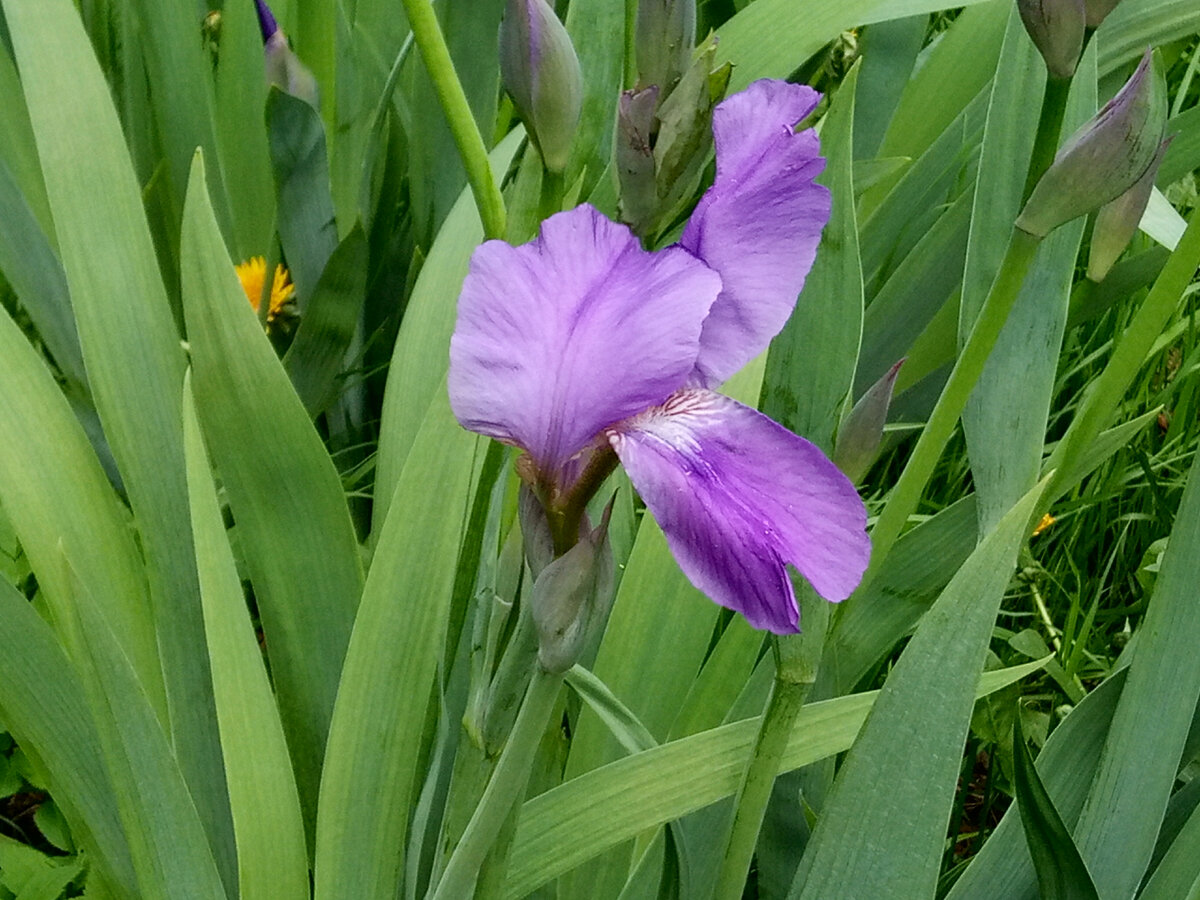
(738, 497)
(760, 222)
(577, 329)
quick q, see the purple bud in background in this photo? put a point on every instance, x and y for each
(266, 20)
(283, 67)
(1106, 157)
(663, 41)
(541, 73)
(1056, 27)
(861, 432)
(1118, 220)
(1098, 10)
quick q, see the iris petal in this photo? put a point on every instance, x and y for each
(575, 330)
(760, 222)
(739, 496)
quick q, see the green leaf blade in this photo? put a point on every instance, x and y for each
(1061, 871)
(925, 707)
(284, 491)
(370, 772)
(265, 805)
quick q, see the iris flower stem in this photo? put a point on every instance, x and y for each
(566, 513)
(1018, 257)
(432, 44)
(504, 789)
(1045, 144)
(787, 699)
(905, 496)
(631, 73)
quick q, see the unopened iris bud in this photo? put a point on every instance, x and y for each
(1105, 158)
(284, 69)
(1056, 27)
(678, 132)
(635, 157)
(541, 73)
(572, 597)
(535, 530)
(663, 42)
(861, 432)
(1117, 221)
(1097, 10)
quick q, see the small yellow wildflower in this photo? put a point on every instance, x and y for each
(252, 274)
(1046, 522)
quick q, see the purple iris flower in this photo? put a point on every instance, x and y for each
(580, 344)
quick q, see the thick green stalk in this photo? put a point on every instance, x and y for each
(505, 789)
(906, 494)
(631, 73)
(1045, 144)
(1018, 257)
(797, 659)
(787, 699)
(429, 39)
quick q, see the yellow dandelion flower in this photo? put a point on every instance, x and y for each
(1046, 521)
(253, 272)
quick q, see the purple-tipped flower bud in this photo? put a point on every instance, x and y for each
(663, 42)
(1105, 158)
(1117, 221)
(541, 72)
(1056, 27)
(635, 157)
(1097, 10)
(284, 69)
(861, 431)
(572, 598)
(266, 20)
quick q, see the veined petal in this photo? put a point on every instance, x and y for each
(575, 330)
(760, 222)
(738, 496)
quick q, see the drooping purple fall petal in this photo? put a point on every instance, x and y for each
(738, 496)
(579, 328)
(760, 222)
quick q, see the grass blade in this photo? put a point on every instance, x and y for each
(1003, 870)
(1124, 809)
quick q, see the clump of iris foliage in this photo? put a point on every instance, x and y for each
(342, 592)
